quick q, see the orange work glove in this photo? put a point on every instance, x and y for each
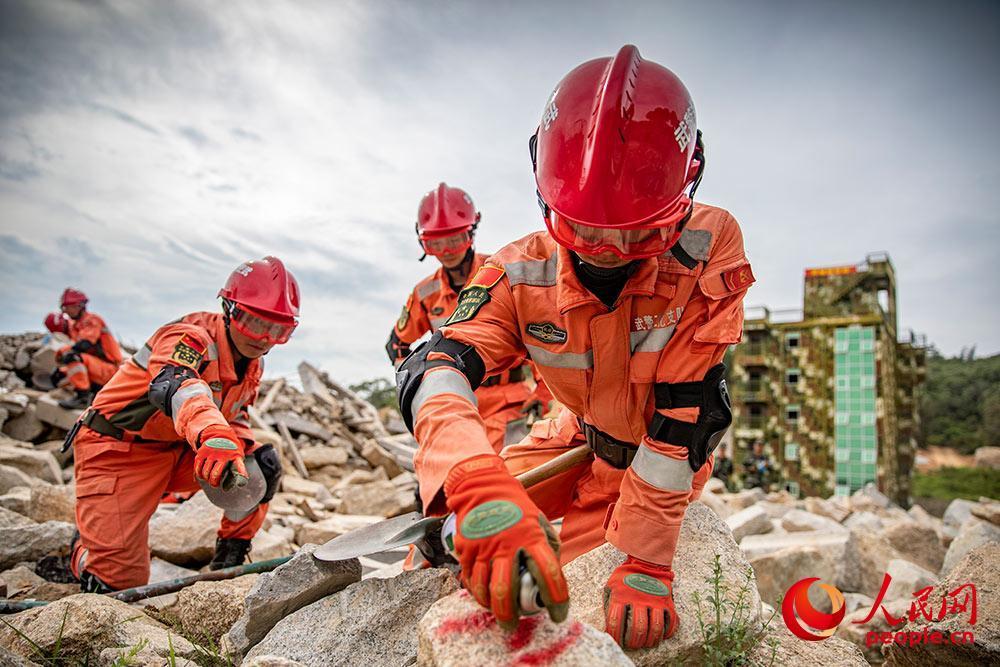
(221, 451)
(639, 604)
(499, 530)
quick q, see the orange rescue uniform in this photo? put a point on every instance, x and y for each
(502, 395)
(670, 324)
(99, 363)
(128, 454)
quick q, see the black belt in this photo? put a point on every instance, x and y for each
(514, 375)
(616, 452)
(95, 421)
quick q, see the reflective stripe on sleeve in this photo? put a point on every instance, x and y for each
(662, 471)
(446, 381)
(184, 394)
(433, 287)
(581, 360)
(651, 340)
(438, 322)
(75, 368)
(213, 352)
(141, 357)
(537, 272)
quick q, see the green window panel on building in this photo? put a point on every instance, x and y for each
(856, 448)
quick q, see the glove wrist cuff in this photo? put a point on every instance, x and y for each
(476, 466)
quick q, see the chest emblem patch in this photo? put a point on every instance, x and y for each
(547, 332)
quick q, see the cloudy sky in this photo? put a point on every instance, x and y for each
(146, 148)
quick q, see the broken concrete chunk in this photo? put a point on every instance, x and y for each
(456, 631)
(373, 622)
(42, 502)
(382, 498)
(82, 625)
(276, 594)
(750, 521)
(25, 427)
(185, 534)
(41, 465)
(974, 533)
(207, 609)
(958, 511)
(831, 509)
(31, 542)
(321, 532)
(801, 521)
(703, 536)
(48, 410)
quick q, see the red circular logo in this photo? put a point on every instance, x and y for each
(797, 610)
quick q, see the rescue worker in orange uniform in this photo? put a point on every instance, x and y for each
(174, 418)
(627, 304)
(446, 225)
(94, 356)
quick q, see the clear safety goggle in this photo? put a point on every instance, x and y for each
(447, 245)
(260, 328)
(653, 239)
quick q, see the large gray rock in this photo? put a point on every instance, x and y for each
(833, 508)
(185, 534)
(866, 561)
(42, 502)
(10, 519)
(456, 632)
(318, 457)
(84, 625)
(788, 649)
(744, 499)
(832, 544)
(864, 521)
(919, 542)
(25, 426)
(752, 520)
(11, 477)
(41, 465)
(869, 498)
(777, 571)
(979, 567)
(703, 536)
(798, 521)
(958, 511)
(31, 542)
(973, 534)
(276, 594)
(207, 610)
(907, 579)
(10, 659)
(715, 503)
(382, 498)
(372, 622)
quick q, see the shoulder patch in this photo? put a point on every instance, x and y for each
(487, 276)
(470, 301)
(404, 317)
(739, 278)
(188, 351)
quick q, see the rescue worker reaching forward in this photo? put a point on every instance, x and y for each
(174, 417)
(446, 225)
(627, 304)
(93, 357)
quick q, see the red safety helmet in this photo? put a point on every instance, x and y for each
(262, 300)
(446, 221)
(72, 297)
(56, 323)
(618, 157)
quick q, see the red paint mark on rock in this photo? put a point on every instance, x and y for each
(524, 633)
(475, 622)
(547, 654)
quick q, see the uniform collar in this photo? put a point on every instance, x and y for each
(571, 293)
(442, 273)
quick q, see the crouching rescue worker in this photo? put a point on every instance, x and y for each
(94, 356)
(627, 304)
(446, 226)
(174, 418)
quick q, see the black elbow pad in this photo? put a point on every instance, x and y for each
(395, 348)
(165, 385)
(82, 346)
(464, 358)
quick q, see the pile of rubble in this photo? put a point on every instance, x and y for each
(853, 542)
(347, 468)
